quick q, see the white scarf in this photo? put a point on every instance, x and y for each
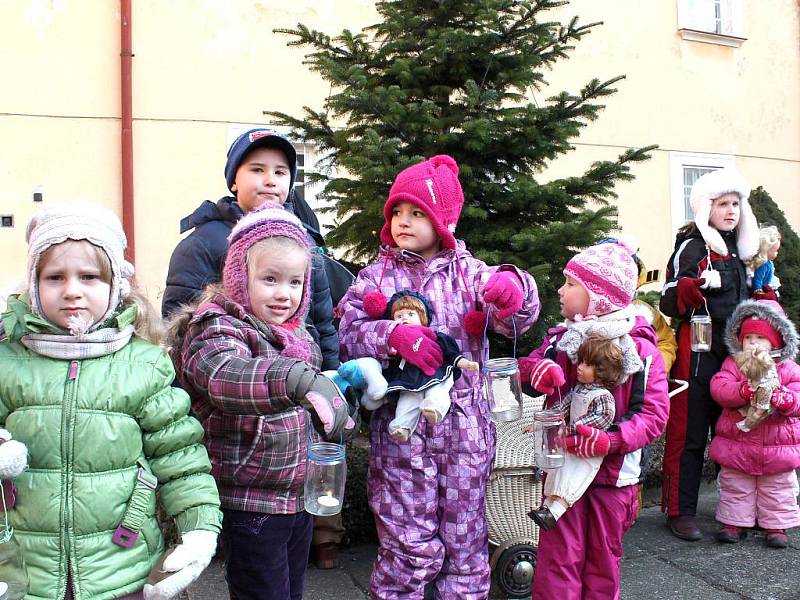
(614, 326)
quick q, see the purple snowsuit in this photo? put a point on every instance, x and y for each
(428, 494)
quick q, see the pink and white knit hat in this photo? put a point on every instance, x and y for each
(608, 272)
(433, 186)
(271, 220)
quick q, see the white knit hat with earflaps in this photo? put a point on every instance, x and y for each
(711, 186)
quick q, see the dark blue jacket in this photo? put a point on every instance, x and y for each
(197, 261)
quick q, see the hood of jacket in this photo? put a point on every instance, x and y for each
(762, 310)
(225, 209)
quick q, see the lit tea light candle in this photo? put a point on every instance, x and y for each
(328, 501)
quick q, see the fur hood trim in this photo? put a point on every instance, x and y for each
(770, 312)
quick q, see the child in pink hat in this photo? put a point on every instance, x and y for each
(580, 556)
(428, 493)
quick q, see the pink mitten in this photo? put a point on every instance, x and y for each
(417, 344)
(546, 376)
(783, 400)
(587, 442)
(504, 290)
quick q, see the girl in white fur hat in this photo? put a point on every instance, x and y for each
(705, 275)
(85, 387)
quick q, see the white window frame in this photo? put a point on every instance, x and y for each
(678, 161)
(712, 21)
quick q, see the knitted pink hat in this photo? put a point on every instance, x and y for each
(271, 220)
(433, 186)
(608, 272)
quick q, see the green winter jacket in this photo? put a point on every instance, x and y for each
(89, 425)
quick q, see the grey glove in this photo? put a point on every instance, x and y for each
(322, 399)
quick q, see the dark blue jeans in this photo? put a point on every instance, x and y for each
(265, 555)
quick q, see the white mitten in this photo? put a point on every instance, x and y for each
(187, 560)
(13, 456)
(712, 278)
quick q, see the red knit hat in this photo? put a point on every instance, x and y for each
(433, 186)
(760, 327)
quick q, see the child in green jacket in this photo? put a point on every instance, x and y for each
(85, 386)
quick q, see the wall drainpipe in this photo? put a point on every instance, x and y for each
(126, 93)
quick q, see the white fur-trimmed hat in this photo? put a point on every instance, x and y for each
(711, 186)
(79, 221)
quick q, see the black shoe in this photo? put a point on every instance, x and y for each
(543, 518)
(684, 527)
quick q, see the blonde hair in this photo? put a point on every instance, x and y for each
(147, 324)
(768, 236)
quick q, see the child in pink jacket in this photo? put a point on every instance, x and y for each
(757, 468)
(579, 559)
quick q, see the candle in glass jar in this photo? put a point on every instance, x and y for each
(328, 501)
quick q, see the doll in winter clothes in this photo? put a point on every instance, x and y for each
(590, 404)
(758, 367)
(580, 558)
(417, 393)
(761, 267)
(757, 467)
(429, 494)
(705, 275)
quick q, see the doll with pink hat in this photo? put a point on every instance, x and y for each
(428, 493)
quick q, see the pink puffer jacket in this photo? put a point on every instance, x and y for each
(771, 447)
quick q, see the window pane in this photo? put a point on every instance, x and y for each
(690, 175)
(301, 160)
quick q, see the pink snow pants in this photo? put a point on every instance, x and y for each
(580, 558)
(767, 499)
(428, 496)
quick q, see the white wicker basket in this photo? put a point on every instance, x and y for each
(513, 489)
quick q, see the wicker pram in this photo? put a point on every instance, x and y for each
(514, 488)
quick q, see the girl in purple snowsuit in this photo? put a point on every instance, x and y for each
(428, 494)
(579, 558)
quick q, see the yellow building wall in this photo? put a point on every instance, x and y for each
(202, 65)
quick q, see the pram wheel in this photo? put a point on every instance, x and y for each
(513, 572)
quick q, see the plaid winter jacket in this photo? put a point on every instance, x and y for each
(235, 367)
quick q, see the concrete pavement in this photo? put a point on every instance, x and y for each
(657, 566)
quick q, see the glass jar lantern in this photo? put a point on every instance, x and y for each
(326, 472)
(548, 427)
(503, 389)
(700, 333)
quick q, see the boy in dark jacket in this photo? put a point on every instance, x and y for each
(261, 167)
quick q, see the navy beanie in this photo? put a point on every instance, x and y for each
(414, 294)
(258, 138)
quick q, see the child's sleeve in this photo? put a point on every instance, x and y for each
(479, 273)
(728, 385)
(599, 414)
(648, 406)
(790, 384)
(359, 335)
(172, 442)
(684, 262)
(220, 363)
(547, 351)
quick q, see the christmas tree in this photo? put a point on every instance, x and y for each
(455, 77)
(787, 264)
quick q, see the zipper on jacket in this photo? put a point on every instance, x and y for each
(68, 412)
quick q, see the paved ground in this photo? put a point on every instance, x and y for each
(657, 566)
